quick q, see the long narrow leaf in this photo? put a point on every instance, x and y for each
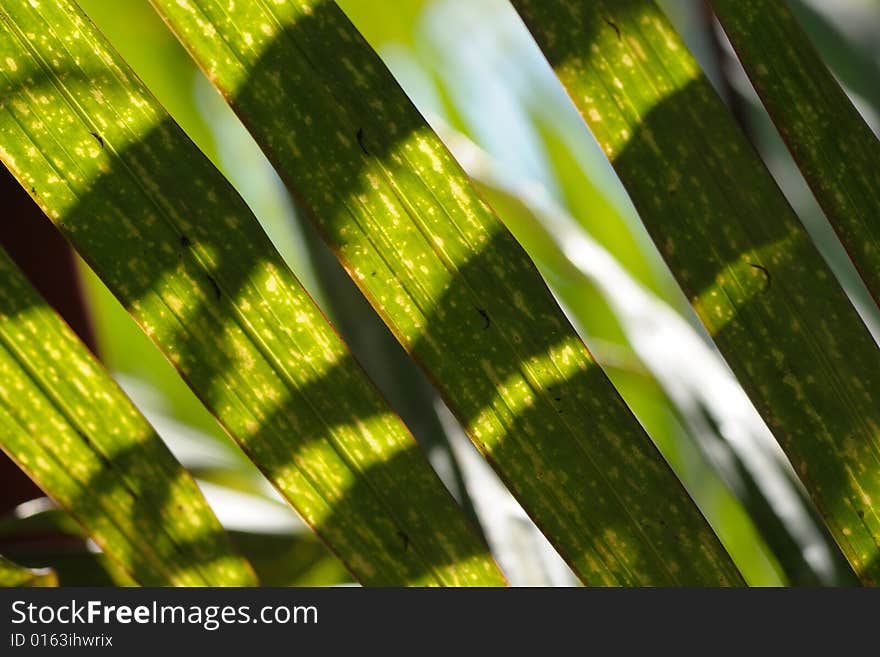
(455, 288)
(713, 407)
(835, 149)
(397, 377)
(75, 433)
(735, 245)
(181, 250)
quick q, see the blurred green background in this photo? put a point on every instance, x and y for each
(475, 74)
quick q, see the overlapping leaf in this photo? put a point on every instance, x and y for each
(181, 250)
(454, 286)
(756, 280)
(67, 424)
(701, 386)
(833, 146)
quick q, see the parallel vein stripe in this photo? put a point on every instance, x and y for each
(833, 146)
(67, 424)
(453, 286)
(188, 259)
(735, 245)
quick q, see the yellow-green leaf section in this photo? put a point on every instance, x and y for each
(11, 574)
(834, 148)
(736, 247)
(75, 433)
(181, 250)
(456, 289)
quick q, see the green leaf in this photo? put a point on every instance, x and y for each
(180, 249)
(294, 559)
(12, 574)
(79, 567)
(74, 432)
(398, 378)
(850, 59)
(736, 247)
(290, 560)
(833, 146)
(456, 289)
(724, 435)
(51, 538)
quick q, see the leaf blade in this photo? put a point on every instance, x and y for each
(833, 146)
(455, 288)
(76, 434)
(197, 272)
(736, 247)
